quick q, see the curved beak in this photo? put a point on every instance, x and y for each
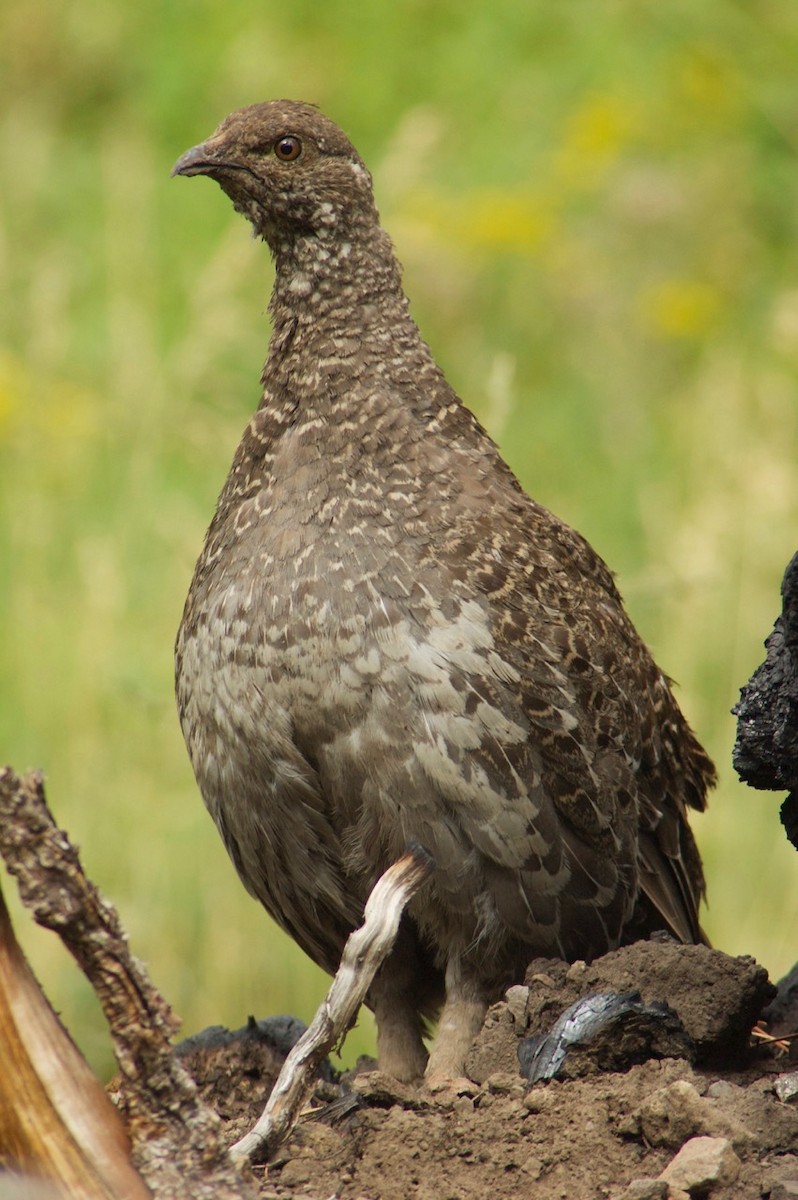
(199, 160)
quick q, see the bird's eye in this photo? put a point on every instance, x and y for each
(287, 148)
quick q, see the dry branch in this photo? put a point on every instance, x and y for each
(365, 951)
(177, 1141)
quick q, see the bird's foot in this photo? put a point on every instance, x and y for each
(450, 1087)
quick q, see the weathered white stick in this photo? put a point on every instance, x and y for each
(365, 951)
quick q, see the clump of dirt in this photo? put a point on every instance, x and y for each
(707, 1123)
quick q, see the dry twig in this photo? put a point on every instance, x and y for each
(364, 952)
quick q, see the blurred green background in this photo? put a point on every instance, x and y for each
(596, 205)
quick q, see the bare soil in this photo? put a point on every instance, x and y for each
(590, 1132)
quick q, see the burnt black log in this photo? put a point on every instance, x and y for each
(766, 750)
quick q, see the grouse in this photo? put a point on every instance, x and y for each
(387, 642)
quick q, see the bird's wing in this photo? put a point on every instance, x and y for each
(611, 762)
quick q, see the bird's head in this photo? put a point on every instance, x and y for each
(288, 169)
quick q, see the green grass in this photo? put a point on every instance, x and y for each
(596, 207)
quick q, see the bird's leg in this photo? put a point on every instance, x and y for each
(400, 1049)
(394, 997)
(460, 1021)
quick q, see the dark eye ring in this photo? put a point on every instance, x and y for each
(288, 148)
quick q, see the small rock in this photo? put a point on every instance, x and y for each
(532, 1166)
(502, 1083)
(786, 1086)
(517, 999)
(702, 1164)
(576, 971)
(538, 1100)
(295, 1172)
(671, 1115)
(721, 1089)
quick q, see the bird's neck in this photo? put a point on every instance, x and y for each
(346, 358)
(333, 286)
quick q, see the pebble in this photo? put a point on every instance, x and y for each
(517, 998)
(295, 1173)
(502, 1083)
(702, 1164)
(538, 1100)
(671, 1115)
(786, 1086)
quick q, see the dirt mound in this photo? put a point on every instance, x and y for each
(708, 1122)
